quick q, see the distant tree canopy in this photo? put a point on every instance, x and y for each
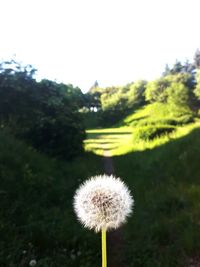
(197, 58)
(179, 67)
(43, 113)
(197, 89)
(178, 86)
(93, 96)
(112, 103)
(175, 89)
(156, 90)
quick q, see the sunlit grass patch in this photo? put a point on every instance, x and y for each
(156, 110)
(166, 182)
(158, 141)
(164, 123)
(118, 143)
(159, 113)
(110, 139)
(109, 130)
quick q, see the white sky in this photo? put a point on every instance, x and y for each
(111, 41)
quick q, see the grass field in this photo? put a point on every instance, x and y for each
(111, 140)
(119, 141)
(165, 181)
(37, 220)
(163, 174)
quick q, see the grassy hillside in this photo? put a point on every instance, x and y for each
(158, 113)
(157, 153)
(164, 230)
(148, 127)
(36, 216)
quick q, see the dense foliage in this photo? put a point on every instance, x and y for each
(178, 87)
(44, 113)
(113, 103)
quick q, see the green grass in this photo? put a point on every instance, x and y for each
(165, 228)
(164, 175)
(36, 217)
(158, 113)
(122, 139)
(153, 111)
(110, 140)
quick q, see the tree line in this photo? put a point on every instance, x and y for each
(179, 87)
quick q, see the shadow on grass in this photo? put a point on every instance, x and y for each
(104, 134)
(165, 182)
(137, 119)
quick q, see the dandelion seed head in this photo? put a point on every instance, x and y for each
(32, 263)
(103, 202)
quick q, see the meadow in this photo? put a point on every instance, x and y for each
(163, 174)
(37, 220)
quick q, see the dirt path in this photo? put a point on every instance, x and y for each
(116, 251)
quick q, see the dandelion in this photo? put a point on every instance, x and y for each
(32, 263)
(103, 203)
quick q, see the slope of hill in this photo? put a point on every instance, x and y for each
(158, 113)
(36, 216)
(147, 127)
(164, 230)
(162, 170)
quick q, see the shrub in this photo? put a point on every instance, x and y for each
(44, 114)
(148, 122)
(188, 118)
(151, 132)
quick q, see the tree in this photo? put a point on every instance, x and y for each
(156, 90)
(177, 67)
(178, 95)
(197, 89)
(135, 94)
(44, 114)
(197, 58)
(93, 98)
(167, 70)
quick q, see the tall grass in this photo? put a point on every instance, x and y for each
(37, 219)
(165, 180)
(36, 216)
(164, 175)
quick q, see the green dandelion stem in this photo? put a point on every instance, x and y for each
(104, 256)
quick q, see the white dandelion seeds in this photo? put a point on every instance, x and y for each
(32, 263)
(103, 202)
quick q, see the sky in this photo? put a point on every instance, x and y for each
(112, 41)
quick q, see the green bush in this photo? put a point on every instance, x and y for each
(150, 122)
(188, 118)
(44, 114)
(151, 132)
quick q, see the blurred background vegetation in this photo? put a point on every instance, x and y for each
(53, 137)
